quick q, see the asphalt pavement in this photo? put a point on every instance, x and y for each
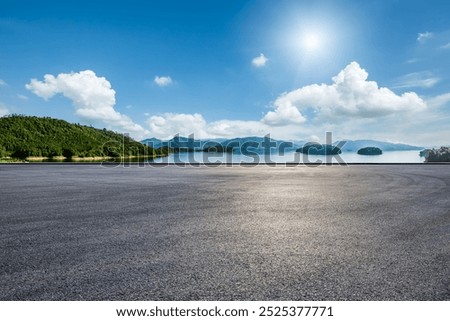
(86, 232)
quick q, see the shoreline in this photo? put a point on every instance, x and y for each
(62, 159)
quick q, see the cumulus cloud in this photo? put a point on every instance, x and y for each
(163, 81)
(2, 82)
(92, 97)
(168, 124)
(259, 61)
(417, 79)
(446, 46)
(350, 94)
(422, 37)
(285, 113)
(349, 99)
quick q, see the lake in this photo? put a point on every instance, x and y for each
(411, 156)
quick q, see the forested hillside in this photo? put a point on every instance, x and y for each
(30, 136)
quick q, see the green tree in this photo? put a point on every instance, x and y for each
(24, 136)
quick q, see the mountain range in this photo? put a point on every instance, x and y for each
(256, 144)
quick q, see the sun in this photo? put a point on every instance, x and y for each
(308, 42)
(311, 41)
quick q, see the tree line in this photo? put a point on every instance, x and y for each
(30, 136)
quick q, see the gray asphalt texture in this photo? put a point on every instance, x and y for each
(85, 232)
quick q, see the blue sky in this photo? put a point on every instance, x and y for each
(294, 69)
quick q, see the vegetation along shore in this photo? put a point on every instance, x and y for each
(38, 138)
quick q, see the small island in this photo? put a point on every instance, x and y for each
(437, 155)
(319, 149)
(370, 151)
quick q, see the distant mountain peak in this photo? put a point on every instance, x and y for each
(350, 145)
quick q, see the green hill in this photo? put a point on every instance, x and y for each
(29, 136)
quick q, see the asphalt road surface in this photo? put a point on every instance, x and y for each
(85, 232)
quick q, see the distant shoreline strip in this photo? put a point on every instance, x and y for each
(275, 164)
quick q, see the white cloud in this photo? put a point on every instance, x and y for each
(422, 37)
(417, 79)
(167, 125)
(259, 61)
(446, 46)
(350, 94)
(23, 97)
(313, 138)
(163, 81)
(439, 101)
(285, 113)
(2, 83)
(237, 128)
(350, 105)
(92, 97)
(3, 110)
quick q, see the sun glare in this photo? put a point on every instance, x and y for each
(311, 41)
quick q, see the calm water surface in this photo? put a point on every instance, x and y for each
(292, 157)
(289, 157)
